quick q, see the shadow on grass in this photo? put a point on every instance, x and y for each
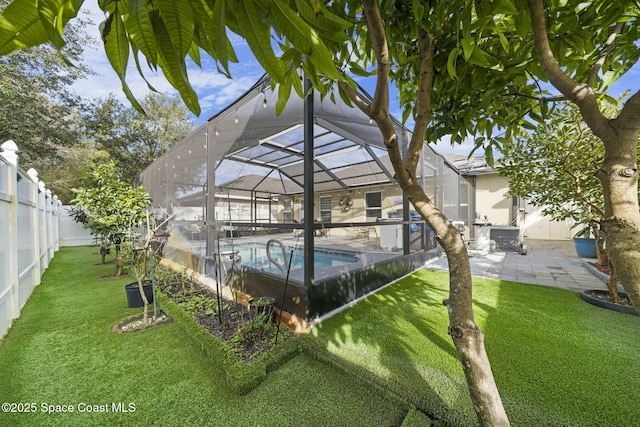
(556, 359)
(384, 339)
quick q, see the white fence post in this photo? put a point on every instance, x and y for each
(49, 224)
(10, 153)
(42, 222)
(55, 227)
(35, 218)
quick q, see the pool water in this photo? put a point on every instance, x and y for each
(255, 256)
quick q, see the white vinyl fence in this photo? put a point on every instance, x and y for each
(29, 233)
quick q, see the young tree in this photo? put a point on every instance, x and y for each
(555, 168)
(110, 208)
(581, 51)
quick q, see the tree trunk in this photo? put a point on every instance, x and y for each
(613, 283)
(144, 300)
(619, 178)
(467, 337)
(601, 252)
(619, 172)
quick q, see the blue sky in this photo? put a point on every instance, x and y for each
(216, 91)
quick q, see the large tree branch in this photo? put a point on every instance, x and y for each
(379, 107)
(603, 55)
(423, 101)
(579, 93)
(378, 38)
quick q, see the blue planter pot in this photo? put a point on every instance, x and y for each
(586, 248)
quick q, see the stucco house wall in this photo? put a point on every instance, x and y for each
(493, 200)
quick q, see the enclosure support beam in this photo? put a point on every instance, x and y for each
(308, 184)
(406, 206)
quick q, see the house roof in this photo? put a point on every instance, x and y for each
(470, 166)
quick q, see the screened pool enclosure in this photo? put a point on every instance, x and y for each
(245, 202)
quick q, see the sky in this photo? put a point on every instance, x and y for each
(216, 91)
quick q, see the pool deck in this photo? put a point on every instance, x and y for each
(547, 262)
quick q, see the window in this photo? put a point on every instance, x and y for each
(301, 210)
(287, 214)
(325, 209)
(373, 204)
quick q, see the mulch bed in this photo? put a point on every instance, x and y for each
(606, 297)
(601, 267)
(232, 325)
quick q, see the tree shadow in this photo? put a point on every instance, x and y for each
(387, 334)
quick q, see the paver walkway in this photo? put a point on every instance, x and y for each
(547, 262)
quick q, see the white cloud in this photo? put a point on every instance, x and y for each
(215, 91)
(444, 146)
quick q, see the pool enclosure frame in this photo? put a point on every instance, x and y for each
(194, 180)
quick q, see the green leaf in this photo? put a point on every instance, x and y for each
(284, 92)
(482, 58)
(134, 50)
(194, 54)
(418, 10)
(178, 20)
(468, 43)
(357, 70)
(54, 14)
(173, 65)
(258, 36)
(20, 26)
(504, 42)
(505, 7)
(330, 25)
(219, 37)
(292, 26)
(451, 63)
(116, 46)
(523, 23)
(305, 39)
(140, 30)
(488, 155)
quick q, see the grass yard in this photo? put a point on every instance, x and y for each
(61, 351)
(557, 360)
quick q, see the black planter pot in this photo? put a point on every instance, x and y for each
(588, 297)
(134, 299)
(260, 305)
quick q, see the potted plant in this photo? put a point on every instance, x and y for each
(137, 254)
(261, 306)
(585, 244)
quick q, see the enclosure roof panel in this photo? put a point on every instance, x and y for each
(259, 142)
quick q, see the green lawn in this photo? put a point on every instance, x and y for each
(557, 360)
(61, 351)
